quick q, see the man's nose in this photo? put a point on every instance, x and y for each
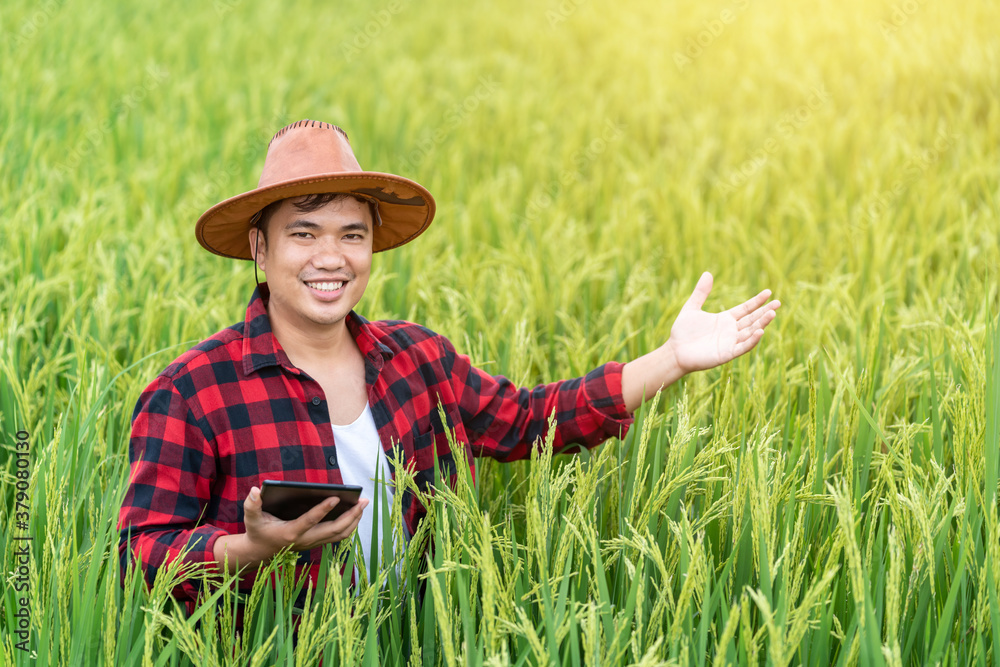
(328, 254)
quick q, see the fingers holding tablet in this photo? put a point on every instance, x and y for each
(301, 515)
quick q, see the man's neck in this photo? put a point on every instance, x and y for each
(305, 348)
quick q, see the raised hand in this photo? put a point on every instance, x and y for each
(703, 340)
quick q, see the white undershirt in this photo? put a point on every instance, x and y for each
(359, 450)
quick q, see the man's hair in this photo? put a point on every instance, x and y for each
(308, 204)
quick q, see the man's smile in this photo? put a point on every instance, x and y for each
(326, 289)
(327, 286)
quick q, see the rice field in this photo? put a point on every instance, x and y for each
(829, 498)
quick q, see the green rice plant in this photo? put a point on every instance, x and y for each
(828, 499)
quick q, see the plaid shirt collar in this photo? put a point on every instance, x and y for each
(262, 349)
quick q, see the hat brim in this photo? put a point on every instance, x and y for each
(405, 207)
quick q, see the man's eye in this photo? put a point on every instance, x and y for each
(301, 235)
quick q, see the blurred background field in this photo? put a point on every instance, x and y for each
(589, 159)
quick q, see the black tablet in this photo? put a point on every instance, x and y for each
(290, 500)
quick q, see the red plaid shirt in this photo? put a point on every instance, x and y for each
(233, 411)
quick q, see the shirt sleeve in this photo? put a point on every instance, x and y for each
(503, 421)
(172, 472)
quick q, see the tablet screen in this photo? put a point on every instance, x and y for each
(290, 500)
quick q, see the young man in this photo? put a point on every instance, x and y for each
(305, 389)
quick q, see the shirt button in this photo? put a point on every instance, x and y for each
(316, 400)
(332, 460)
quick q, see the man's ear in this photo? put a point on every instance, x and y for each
(258, 247)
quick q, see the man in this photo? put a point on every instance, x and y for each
(305, 389)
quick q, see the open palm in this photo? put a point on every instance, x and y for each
(705, 340)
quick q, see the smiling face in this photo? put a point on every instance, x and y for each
(317, 264)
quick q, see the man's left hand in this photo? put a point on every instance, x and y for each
(698, 341)
(703, 340)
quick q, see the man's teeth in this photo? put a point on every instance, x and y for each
(327, 287)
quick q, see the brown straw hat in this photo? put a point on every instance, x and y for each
(310, 157)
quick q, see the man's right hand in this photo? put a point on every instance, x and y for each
(266, 534)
